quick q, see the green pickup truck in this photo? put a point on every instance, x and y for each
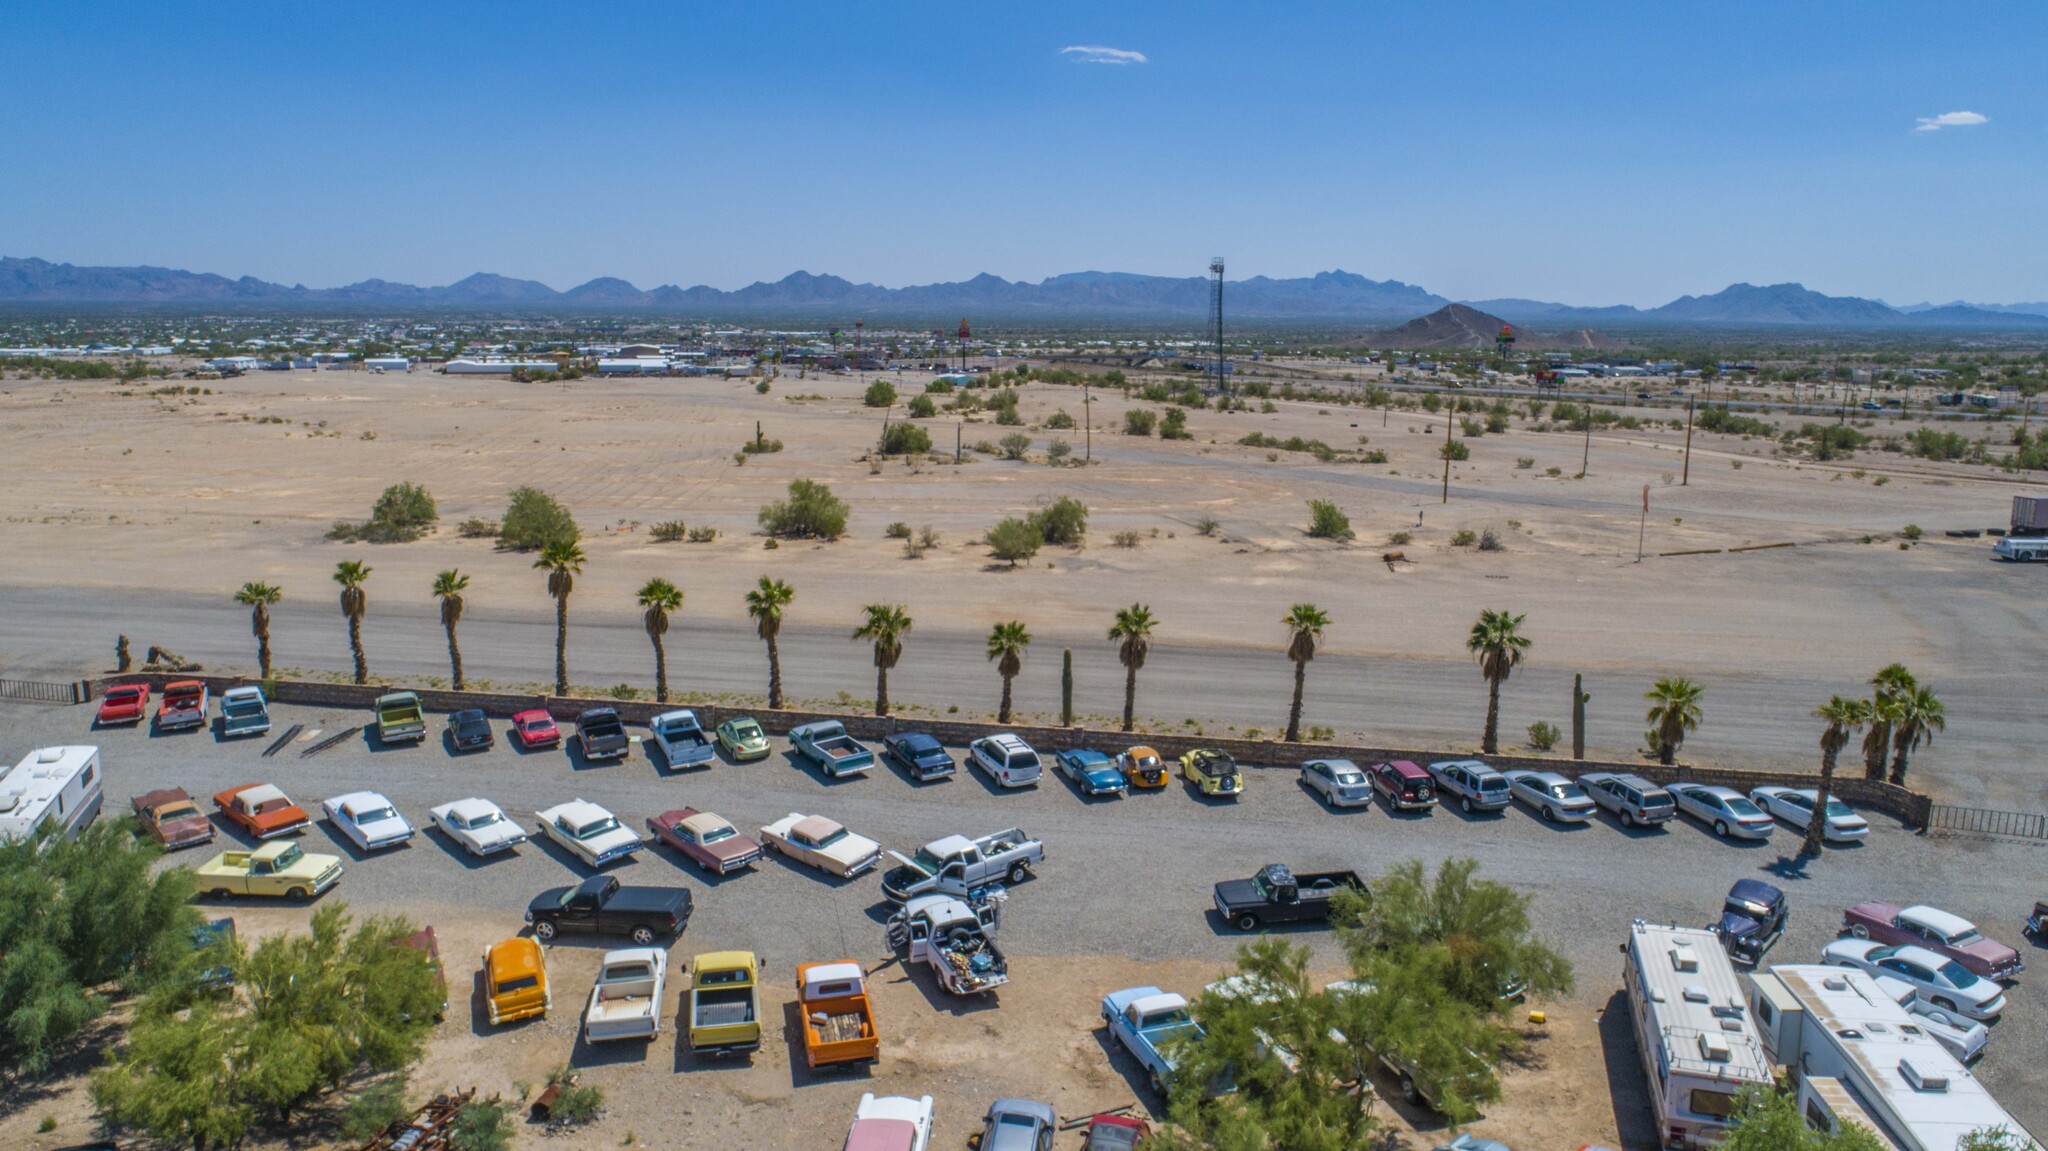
(400, 719)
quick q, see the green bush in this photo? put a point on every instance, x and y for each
(938, 387)
(535, 519)
(1207, 526)
(906, 439)
(1465, 537)
(1937, 445)
(703, 535)
(896, 531)
(669, 531)
(1060, 421)
(477, 528)
(881, 394)
(1718, 420)
(1524, 463)
(1015, 445)
(1399, 539)
(922, 408)
(1063, 522)
(760, 446)
(1912, 531)
(1543, 735)
(482, 1127)
(1175, 425)
(1140, 422)
(1497, 422)
(1454, 450)
(810, 512)
(1327, 521)
(402, 514)
(1008, 416)
(368, 1114)
(1057, 451)
(1472, 428)
(1013, 539)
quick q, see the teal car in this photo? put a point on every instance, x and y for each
(743, 739)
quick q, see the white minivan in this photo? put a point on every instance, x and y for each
(1006, 759)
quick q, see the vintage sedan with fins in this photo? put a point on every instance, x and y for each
(262, 810)
(480, 826)
(821, 843)
(589, 832)
(172, 819)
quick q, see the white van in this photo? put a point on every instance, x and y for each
(2021, 549)
(52, 792)
(1006, 759)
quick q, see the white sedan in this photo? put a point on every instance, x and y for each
(589, 832)
(1552, 796)
(480, 826)
(368, 820)
(822, 843)
(1937, 979)
(1795, 807)
(1339, 781)
(1724, 809)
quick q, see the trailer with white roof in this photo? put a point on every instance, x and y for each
(53, 792)
(1693, 1028)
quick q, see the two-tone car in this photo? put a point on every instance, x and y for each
(742, 738)
(261, 810)
(470, 730)
(1936, 930)
(243, 711)
(1633, 800)
(1213, 772)
(1726, 810)
(1340, 782)
(1939, 980)
(171, 818)
(276, 869)
(369, 820)
(920, 754)
(706, 839)
(1145, 768)
(534, 728)
(124, 703)
(1091, 772)
(480, 826)
(1473, 784)
(825, 844)
(1794, 805)
(1550, 795)
(588, 832)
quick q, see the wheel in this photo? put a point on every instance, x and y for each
(643, 935)
(544, 930)
(1859, 931)
(298, 895)
(1721, 828)
(1466, 803)
(1247, 922)
(703, 865)
(1018, 871)
(1549, 814)
(1158, 1084)
(219, 893)
(1628, 818)
(1408, 1091)
(1944, 1002)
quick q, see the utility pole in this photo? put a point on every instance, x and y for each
(1087, 426)
(1449, 419)
(1643, 525)
(1586, 458)
(1685, 476)
(957, 425)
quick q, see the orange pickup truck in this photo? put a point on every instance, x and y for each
(838, 1020)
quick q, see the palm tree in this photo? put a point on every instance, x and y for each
(1889, 682)
(765, 605)
(259, 597)
(1916, 715)
(1134, 627)
(563, 560)
(1675, 710)
(1305, 623)
(1500, 645)
(1006, 644)
(661, 599)
(448, 588)
(886, 625)
(351, 574)
(1844, 716)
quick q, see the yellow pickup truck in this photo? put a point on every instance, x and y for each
(725, 1002)
(276, 868)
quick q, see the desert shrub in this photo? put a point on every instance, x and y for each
(810, 512)
(928, 536)
(1154, 393)
(1015, 445)
(761, 388)
(922, 408)
(1431, 402)
(1375, 456)
(1553, 473)
(881, 394)
(1125, 539)
(1063, 522)
(1472, 428)
(760, 446)
(906, 439)
(703, 535)
(1060, 421)
(1140, 422)
(1008, 416)
(1718, 420)
(1912, 531)
(1496, 422)
(1543, 735)
(938, 387)
(1464, 538)
(476, 528)
(535, 519)
(1266, 407)
(1175, 425)
(1937, 445)
(1399, 539)
(1191, 397)
(1317, 448)
(402, 514)
(897, 531)
(368, 1114)
(984, 447)
(1454, 450)
(1489, 541)
(1013, 539)
(1057, 451)
(1327, 521)
(669, 531)
(483, 1126)
(1207, 526)
(1524, 463)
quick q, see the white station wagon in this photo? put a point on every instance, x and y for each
(1006, 759)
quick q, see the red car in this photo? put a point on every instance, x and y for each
(172, 819)
(1937, 931)
(536, 728)
(1402, 785)
(1115, 1133)
(710, 841)
(262, 810)
(124, 704)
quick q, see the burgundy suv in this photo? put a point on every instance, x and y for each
(1402, 785)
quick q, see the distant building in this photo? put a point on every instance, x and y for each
(496, 367)
(634, 366)
(388, 363)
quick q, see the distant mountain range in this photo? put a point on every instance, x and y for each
(1336, 296)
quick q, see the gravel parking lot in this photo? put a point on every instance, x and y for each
(1123, 878)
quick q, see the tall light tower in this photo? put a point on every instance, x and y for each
(1216, 318)
(964, 336)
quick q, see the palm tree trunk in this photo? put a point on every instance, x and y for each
(1294, 712)
(1816, 826)
(1490, 741)
(1667, 751)
(263, 652)
(562, 645)
(881, 691)
(660, 671)
(454, 659)
(1900, 751)
(774, 676)
(1003, 712)
(1130, 694)
(355, 647)
(1873, 763)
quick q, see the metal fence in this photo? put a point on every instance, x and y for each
(1984, 821)
(30, 691)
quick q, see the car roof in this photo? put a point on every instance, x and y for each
(258, 793)
(273, 849)
(1469, 764)
(590, 713)
(1755, 890)
(1141, 751)
(471, 808)
(531, 714)
(470, 713)
(917, 739)
(1159, 1001)
(815, 827)
(1008, 741)
(242, 693)
(578, 811)
(1031, 1107)
(1404, 767)
(741, 721)
(356, 802)
(162, 796)
(1936, 918)
(516, 956)
(703, 821)
(1086, 755)
(1921, 956)
(1334, 764)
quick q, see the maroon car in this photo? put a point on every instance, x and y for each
(1935, 930)
(710, 841)
(172, 819)
(1402, 785)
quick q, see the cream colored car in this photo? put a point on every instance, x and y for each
(822, 843)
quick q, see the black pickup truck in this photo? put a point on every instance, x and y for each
(1277, 895)
(600, 906)
(601, 734)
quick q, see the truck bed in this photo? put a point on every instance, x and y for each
(840, 748)
(724, 1007)
(629, 1009)
(842, 1027)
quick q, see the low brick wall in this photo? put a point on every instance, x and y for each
(1909, 807)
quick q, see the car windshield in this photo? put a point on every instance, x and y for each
(597, 827)
(375, 815)
(179, 810)
(1215, 764)
(535, 724)
(719, 833)
(1963, 938)
(287, 857)
(1956, 975)
(747, 731)
(518, 983)
(1012, 1120)
(485, 820)
(1839, 810)
(926, 861)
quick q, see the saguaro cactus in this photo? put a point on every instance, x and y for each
(1579, 698)
(1067, 687)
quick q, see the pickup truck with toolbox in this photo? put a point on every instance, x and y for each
(601, 734)
(243, 712)
(1145, 1021)
(826, 744)
(725, 1003)
(683, 740)
(837, 1018)
(1278, 895)
(183, 706)
(400, 718)
(626, 1002)
(956, 865)
(600, 906)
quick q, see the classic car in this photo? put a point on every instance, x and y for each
(1753, 916)
(600, 906)
(1935, 930)
(1550, 795)
(1726, 810)
(589, 832)
(400, 717)
(126, 703)
(243, 712)
(171, 818)
(1278, 894)
(1213, 772)
(1018, 1125)
(1144, 767)
(368, 820)
(272, 869)
(682, 739)
(957, 865)
(182, 706)
(708, 840)
(261, 810)
(480, 826)
(1477, 787)
(1006, 759)
(626, 1001)
(827, 744)
(470, 730)
(1148, 1023)
(516, 980)
(743, 739)
(922, 755)
(835, 1014)
(1091, 772)
(1403, 785)
(891, 1123)
(821, 843)
(1340, 782)
(1109, 1132)
(535, 728)
(1794, 805)
(724, 1003)
(601, 734)
(1939, 980)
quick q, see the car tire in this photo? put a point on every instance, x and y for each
(1859, 931)
(1549, 814)
(1246, 922)
(544, 930)
(298, 895)
(1158, 1084)
(1627, 819)
(1466, 803)
(219, 893)
(642, 935)
(1408, 1091)
(1018, 872)
(1721, 828)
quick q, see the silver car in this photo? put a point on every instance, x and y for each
(1726, 810)
(1635, 801)
(1795, 807)
(1550, 795)
(1477, 786)
(1939, 980)
(1340, 782)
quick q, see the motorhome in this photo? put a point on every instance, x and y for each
(1694, 1029)
(52, 792)
(1856, 1056)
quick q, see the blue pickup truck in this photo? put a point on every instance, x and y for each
(1146, 1022)
(826, 744)
(683, 740)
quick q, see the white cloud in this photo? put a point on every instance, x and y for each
(1097, 54)
(1950, 120)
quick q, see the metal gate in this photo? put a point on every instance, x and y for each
(30, 691)
(1984, 821)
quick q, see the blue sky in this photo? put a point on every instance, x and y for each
(1602, 153)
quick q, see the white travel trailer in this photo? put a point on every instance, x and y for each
(53, 792)
(1694, 1029)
